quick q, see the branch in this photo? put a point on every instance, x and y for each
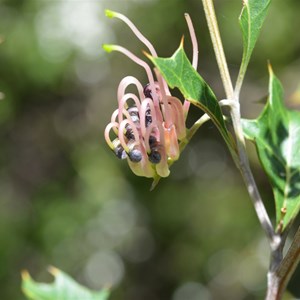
(288, 265)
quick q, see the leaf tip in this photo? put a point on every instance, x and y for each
(149, 56)
(53, 271)
(182, 42)
(270, 68)
(107, 287)
(25, 275)
(155, 183)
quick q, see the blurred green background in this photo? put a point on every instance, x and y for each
(67, 201)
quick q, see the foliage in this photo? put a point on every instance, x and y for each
(64, 199)
(276, 134)
(178, 72)
(251, 20)
(63, 288)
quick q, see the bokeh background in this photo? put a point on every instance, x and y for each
(67, 201)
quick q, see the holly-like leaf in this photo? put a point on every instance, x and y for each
(178, 72)
(251, 20)
(63, 288)
(276, 134)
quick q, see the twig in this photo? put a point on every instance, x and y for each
(218, 46)
(236, 120)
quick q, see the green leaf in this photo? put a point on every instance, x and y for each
(178, 72)
(251, 20)
(63, 288)
(276, 133)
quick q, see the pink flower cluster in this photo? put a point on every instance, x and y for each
(149, 124)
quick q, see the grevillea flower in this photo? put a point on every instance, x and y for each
(148, 125)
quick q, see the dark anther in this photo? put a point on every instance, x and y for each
(152, 141)
(129, 133)
(135, 118)
(147, 91)
(134, 114)
(154, 156)
(119, 150)
(148, 117)
(135, 155)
